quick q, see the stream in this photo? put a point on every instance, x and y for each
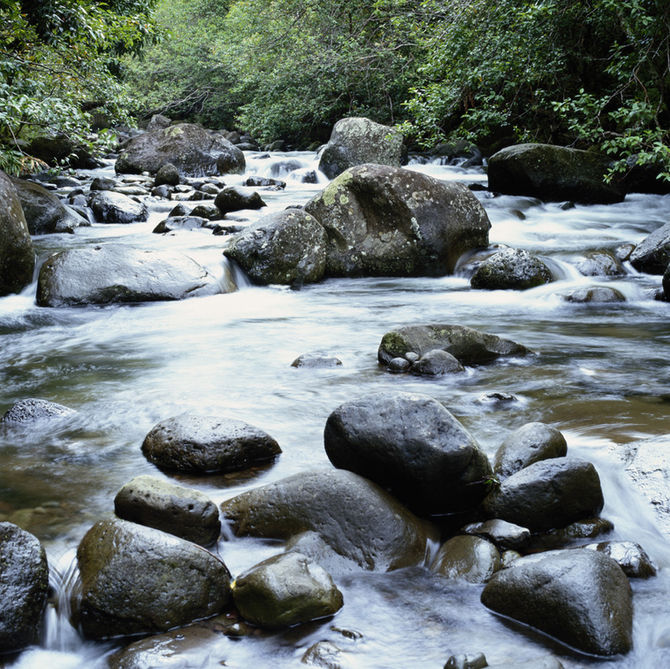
(601, 376)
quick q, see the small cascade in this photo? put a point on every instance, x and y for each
(59, 634)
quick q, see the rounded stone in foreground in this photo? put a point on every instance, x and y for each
(172, 508)
(286, 590)
(582, 598)
(24, 582)
(466, 557)
(203, 444)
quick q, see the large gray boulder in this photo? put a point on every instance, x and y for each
(467, 345)
(44, 211)
(111, 207)
(552, 173)
(118, 273)
(652, 254)
(184, 512)
(288, 247)
(24, 583)
(193, 150)
(511, 269)
(411, 445)
(579, 597)
(357, 140)
(387, 221)
(286, 590)
(200, 444)
(548, 494)
(354, 516)
(531, 443)
(17, 258)
(138, 580)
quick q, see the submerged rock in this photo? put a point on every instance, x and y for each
(172, 508)
(468, 346)
(579, 597)
(31, 410)
(24, 582)
(354, 516)
(357, 140)
(286, 247)
(466, 557)
(202, 444)
(138, 580)
(411, 445)
(511, 269)
(286, 590)
(600, 263)
(652, 254)
(387, 221)
(316, 360)
(118, 273)
(595, 295)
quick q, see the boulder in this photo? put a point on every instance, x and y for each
(31, 410)
(286, 590)
(59, 150)
(189, 147)
(468, 346)
(356, 140)
(531, 443)
(24, 583)
(118, 273)
(506, 536)
(411, 445)
(579, 597)
(17, 258)
(232, 198)
(631, 557)
(511, 269)
(138, 580)
(111, 207)
(595, 295)
(103, 183)
(172, 508)
(202, 444)
(552, 173)
(466, 557)
(354, 516)
(436, 363)
(44, 211)
(387, 221)
(287, 247)
(600, 263)
(547, 494)
(652, 254)
(167, 175)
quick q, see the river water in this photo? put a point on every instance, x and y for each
(601, 376)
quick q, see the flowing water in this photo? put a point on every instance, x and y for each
(601, 375)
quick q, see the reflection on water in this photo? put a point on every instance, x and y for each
(600, 374)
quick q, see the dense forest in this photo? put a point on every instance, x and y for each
(584, 74)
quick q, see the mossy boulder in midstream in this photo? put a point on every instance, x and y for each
(387, 221)
(552, 173)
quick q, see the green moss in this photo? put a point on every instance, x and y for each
(394, 344)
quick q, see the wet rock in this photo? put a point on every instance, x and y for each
(666, 283)
(631, 557)
(307, 177)
(508, 557)
(138, 580)
(323, 654)
(547, 494)
(193, 150)
(399, 365)
(387, 221)
(162, 192)
(103, 183)
(356, 140)
(208, 211)
(580, 597)
(112, 207)
(316, 548)
(468, 346)
(172, 508)
(436, 363)
(551, 173)
(588, 528)
(497, 398)
(466, 557)
(179, 210)
(595, 295)
(503, 534)
(652, 254)
(531, 443)
(17, 258)
(167, 175)
(286, 590)
(316, 360)
(24, 582)
(264, 182)
(411, 445)
(232, 198)
(511, 269)
(44, 211)
(358, 519)
(284, 167)
(180, 223)
(202, 444)
(470, 661)
(600, 263)
(119, 273)
(31, 410)
(286, 247)
(59, 150)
